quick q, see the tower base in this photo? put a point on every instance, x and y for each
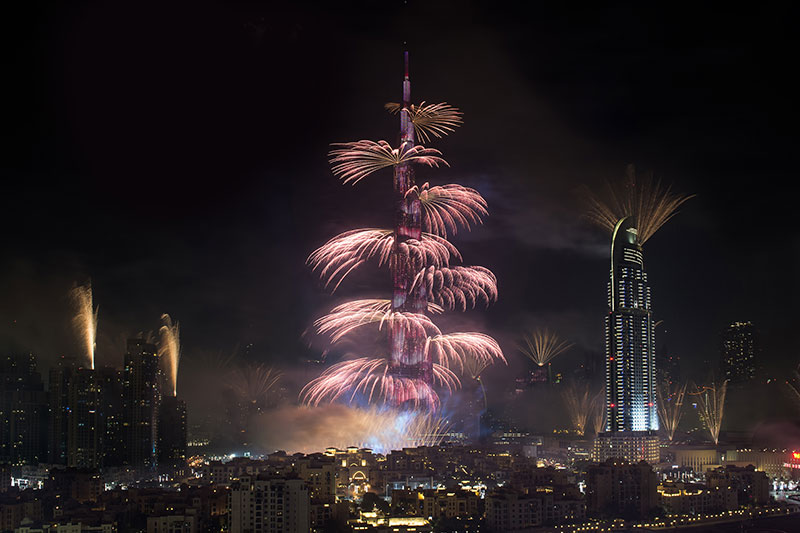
(633, 446)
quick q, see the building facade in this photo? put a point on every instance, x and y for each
(141, 398)
(631, 413)
(269, 504)
(738, 352)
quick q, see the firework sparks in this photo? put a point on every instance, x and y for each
(253, 383)
(542, 345)
(458, 287)
(446, 207)
(344, 318)
(599, 413)
(354, 161)
(85, 319)
(371, 378)
(344, 253)
(430, 120)
(580, 404)
(670, 406)
(169, 350)
(455, 349)
(650, 204)
(711, 400)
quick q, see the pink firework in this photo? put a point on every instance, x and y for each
(344, 318)
(459, 287)
(420, 356)
(354, 161)
(446, 207)
(456, 349)
(344, 253)
(373, 379)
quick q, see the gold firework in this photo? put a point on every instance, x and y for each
(85, 319)
(670, 406)
(644, 199)
(430, 120)
(711, 399)
(542, 345)
(169, 350)
(598, 417)
(580, 403)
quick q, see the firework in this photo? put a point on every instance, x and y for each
(253, 383)
(374, 379)
(650, 204)
(670, 406)
(354, 161)
(85, 319)
(711, 400)
(793, 387)
(458, 287)
(598, 416)
(169, 350)
(579, 402)
(454, 349)
(423, 281)
(542, 345)
(344, 253)
(446, 207)
(430, 120)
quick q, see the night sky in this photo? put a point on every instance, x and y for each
(177, 157)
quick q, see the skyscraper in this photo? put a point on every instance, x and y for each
(60, 376)
(84, 429)
(141, 398)
(23, 411)
(172, 435)
(739, 349)
(112, 415)
(631, 415)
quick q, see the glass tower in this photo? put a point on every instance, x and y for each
(631, 414)
(630, 338)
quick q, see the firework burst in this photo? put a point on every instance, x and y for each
(169, 350)
(542, 345)
(85, 319)
(458, 287)
(446, 207)
(711, 399)
(430, 120)
(372, 378)
(579, 402)
(647, 201)
(354, 161)
(253, 383)
(670, 406)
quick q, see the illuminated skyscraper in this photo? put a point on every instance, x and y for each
(84, 423)
(631, 415)
(172, 435)
(141, 398)
(739, 347)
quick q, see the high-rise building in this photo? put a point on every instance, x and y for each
(172, 435)
(23, 411)
(739, 349)
(268, 504)
(111, 414)
(631, 414)
(60, 376)
(141, 398)
(84, 428)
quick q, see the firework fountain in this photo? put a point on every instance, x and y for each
(85, 319)
(711, 400)
(420, 358)
(670, 406)
(169, 350)
(542, 345)
(580, 405)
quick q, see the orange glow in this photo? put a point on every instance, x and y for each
(796, 455)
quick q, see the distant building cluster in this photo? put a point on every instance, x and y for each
(739, 352)
(92, 418)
